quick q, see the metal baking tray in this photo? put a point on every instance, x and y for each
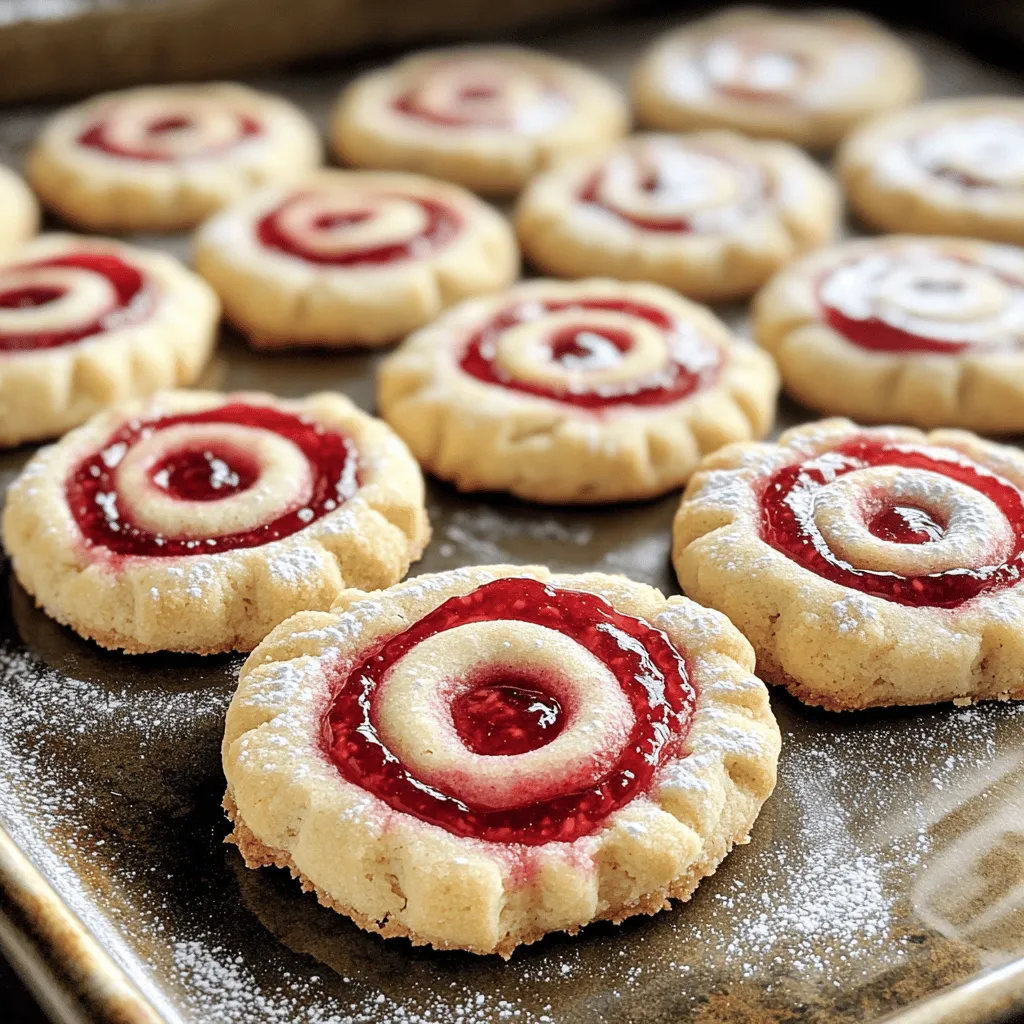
(889, 863)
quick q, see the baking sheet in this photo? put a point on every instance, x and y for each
(889, 862)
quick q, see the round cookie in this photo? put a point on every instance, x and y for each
(88, 322)
(196, 521)
(805, 78)
(951, 167)
(868, 567)
(902, 329)
(711, 215)
(163, 158)
(476, 758)
(486, 117)
(591, 391)
(19, 211)
(346, 258)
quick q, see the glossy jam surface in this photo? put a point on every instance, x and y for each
(441, 225)
(675, 382)
(99, 136)
(499, 716)
(787, 523)
(651, 672)
(133, 301)
(879, 336)
(105, 518)
(906, 524)
(205, 474)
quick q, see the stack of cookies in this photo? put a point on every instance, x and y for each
(476, 758)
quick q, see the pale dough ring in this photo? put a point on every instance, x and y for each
(414, 710)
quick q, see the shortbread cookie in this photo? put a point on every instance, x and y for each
(592, 391)
(903, 329)
(476, 758)
(868, 567)
(345, 258)
(711, 215)
(953, 167)
(486, 117)
(805, 78)
(195, 521)
(19, 211)
(163, 158)
(86, 323)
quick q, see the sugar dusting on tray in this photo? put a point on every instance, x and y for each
(806, 907)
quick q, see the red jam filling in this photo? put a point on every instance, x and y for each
(906, 524)
(505, 715)
(133, 301)
(584, 348)
(787, 524)
(98, 136)
(673, 383)
(651, 672)
(880, 336)
(105, 520)
(442, 224)
(205, 474)
(462, 114)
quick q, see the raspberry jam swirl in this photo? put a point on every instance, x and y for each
(913, 524)
(673, 186)
(512, 740)
(984, 152)
(593, 353)
(484, 93)
(346, 228)
(169, 129)
(924, 299)
(68, 299)
(235, 476)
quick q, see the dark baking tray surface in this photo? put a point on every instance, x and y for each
(889, 862)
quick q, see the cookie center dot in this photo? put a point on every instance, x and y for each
(478, 93)
(169, 125)
(204, 474)
(578, 348)
(333, 221)
(501, 716)
(906, 524)
(29, 298)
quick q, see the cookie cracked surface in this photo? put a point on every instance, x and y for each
(195, 521)
(868, 567)
(500, 752)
